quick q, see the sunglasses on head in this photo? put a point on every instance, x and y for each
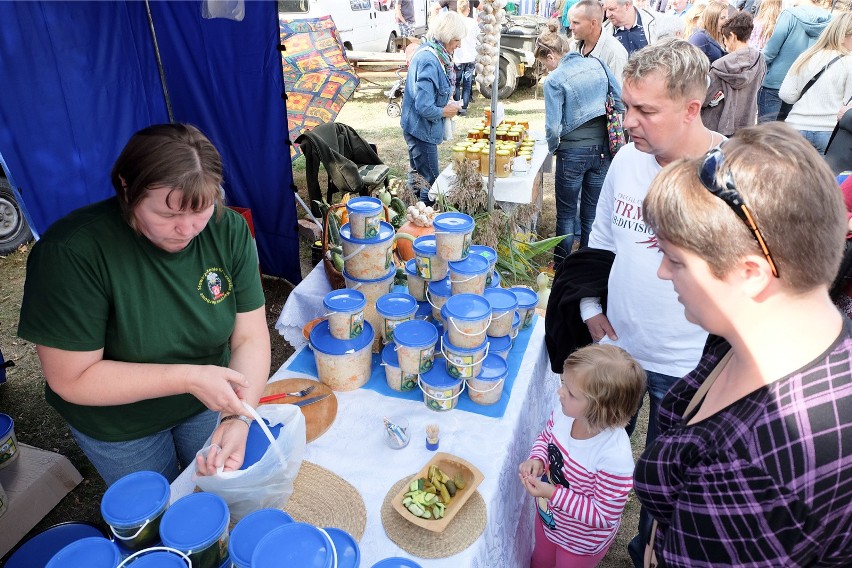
(728, 193)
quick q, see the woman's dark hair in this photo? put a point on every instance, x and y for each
(741, 25)
(177, 156)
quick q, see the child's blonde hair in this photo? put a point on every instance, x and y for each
(612, 381)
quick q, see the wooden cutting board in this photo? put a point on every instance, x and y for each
(319, 416)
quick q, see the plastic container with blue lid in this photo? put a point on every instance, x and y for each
(159, 558)
(91, 552)
(395, 308)
(527, 301)
(463, 363)
(249, 532)
(345, 312)
(348, 551)
(466, 318)
(487, 387)
(491, 256)
(441, 390)
(372, 288)
(8, 440)
(368, 258)
(504, 305)
(424, 311)
(342, 364)
(453, 232)
(416, 284)
(396, 562)
(197, 525)
(516, 327)
(257, 443)
(437, 294)
(468, 276)
(365, 214)
(500, 346)
(295, 544)
(493, 281)
(396, 379)
(430, 266)
(415, 346)
(41, 547)
(133, 507)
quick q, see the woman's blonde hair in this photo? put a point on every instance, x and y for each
(446, 27)
(612, 381)
(710, 20)
(551, 41)
(692, 19)
(790, 191)
(831, 39)
(767, 15)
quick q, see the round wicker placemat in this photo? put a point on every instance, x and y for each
(324, 499)
(464, 529)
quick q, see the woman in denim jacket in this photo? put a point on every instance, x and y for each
(427, 103)
(575, 93)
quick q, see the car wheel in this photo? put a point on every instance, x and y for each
(391, 48)
(14, 230)
(507, 81)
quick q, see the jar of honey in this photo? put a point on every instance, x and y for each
(503, 164)
(472, 154)
(474, 134)
(484, 157)
(458, 153)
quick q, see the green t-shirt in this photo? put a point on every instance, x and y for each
(93, 282)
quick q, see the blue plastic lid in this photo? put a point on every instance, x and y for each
(389, 356)
(159, 559)
(91, 552)
(489, 253)
(494, 368)
(448, 346)
(250, 530)
(516, 322)
(194, 522)
(257, 443)
(424, 310)
(495, 280)
(411, 268)
(324, 342)
(386, 231)
(527, 297)
(425, 246)
(38, 550)
(474, 264)
(499, 344)
(467, 307)
(391, 273)
(439, 378)
(439, 327)
(453, 222)
(364, 205)
(296, 544)
(134, 499)
(396, 305)
(415, 333)
(348, 551)
(396, 562)
(344, 300)
(6, 424)
(501, 300)
(441, 288)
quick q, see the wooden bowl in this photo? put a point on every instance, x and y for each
(306, 329)
(451, 465)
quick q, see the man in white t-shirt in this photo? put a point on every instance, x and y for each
(663, 89)
(463, 58)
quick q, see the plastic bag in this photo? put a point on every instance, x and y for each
(269, 482)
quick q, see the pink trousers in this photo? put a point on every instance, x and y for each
(549, 555)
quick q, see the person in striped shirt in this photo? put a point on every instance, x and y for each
(580, 468)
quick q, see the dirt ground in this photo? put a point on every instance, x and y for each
(39, 425)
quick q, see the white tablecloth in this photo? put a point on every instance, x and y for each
(354, 449)
(303, 304)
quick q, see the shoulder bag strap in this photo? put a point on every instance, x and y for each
(816, 77)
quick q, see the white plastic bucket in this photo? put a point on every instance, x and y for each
(453, 232)
(365, 216)
(437, 294)
(367, 259)
(345, 313)
(8, 441)
(396, 379)
(466, 318)
(430, 266)
(440, 391)
(415, 346)
(527, 301)
(372, 289)
(416, 285)
(463, 363)
(500, 346)
(343, 365)
(487, 387)
(395, 308)
(468, 276)
(504, 305)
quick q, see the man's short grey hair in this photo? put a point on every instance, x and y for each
(669, 25)
(446, 27)
(591, 9)
(684, 68)
(624, 2)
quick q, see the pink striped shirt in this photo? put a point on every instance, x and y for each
(593, 479)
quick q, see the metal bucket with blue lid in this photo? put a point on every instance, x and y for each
(297, 545)
(395, 308)
(368, 258)
(396, 379)
(41, 547)
(424, 311)
(342, 364)
(430, 266)
(157, 557)
(396, 562)
(415, 346)
(453, 232)
(491, 256)
(441, 391)
(527, 301)
(416, 284)
(348, 551)
(437, 294)
(91, 552)
(8, 441)
(344, 310)
(487, 387)
(133, 507)
(500, 346)
(365, 215)
(197, 525)
(504, 306)
(466, 318)
(250, 531)
(468, 276)
(373, 288)
(463, 363)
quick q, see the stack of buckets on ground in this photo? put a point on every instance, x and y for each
(454, 306)
(193, 532)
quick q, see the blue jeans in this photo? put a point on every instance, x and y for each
(165, 452)
(423, 159)
(818, 139)
(579, 172)
(658, 386)
(768, 104)
(464, 83)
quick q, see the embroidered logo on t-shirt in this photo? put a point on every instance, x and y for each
(215, 285)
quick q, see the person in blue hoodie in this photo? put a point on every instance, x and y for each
(796, 30)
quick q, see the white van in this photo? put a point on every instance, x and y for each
(364, 25)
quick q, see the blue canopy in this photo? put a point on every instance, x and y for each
(79, 78)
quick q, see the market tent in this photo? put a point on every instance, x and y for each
(79, 78)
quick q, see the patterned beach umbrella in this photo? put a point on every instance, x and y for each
(317, 76)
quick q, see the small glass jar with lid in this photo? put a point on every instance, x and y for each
(503, 164)
(472, 154)
(458, 153)
(484, 157)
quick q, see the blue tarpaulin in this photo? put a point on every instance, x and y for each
(77, 79)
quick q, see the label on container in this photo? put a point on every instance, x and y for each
(461, 366)
(426, 357)
(408, 382)
(371, 226)
(356, 324)
(390, 325)
(528, 318)
(388, 258)
(466, 244)
(441, 400)
(4, 502)
(8, 450)
(424, 267)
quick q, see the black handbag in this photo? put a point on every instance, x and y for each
(787, 107)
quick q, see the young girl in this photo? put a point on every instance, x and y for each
(581, 467)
